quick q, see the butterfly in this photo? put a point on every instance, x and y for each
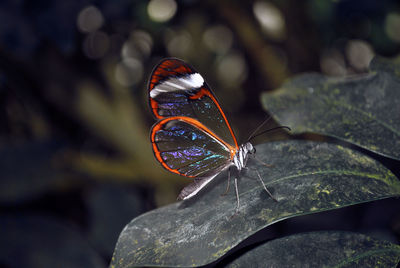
(192, 137)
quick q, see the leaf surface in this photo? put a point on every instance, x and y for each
(307, 177)
(322, 249)
(364, 110)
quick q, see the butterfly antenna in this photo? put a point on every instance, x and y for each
(268, 130)
(258, 128)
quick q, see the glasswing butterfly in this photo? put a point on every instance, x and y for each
(192, 136)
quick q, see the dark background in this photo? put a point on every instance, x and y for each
(75, 159)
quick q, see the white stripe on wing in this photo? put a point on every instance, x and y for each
(186, 82)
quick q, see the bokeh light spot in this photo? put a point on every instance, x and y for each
(129, 72)
(96, 45)
(392, 26)
(90, 19)
(178, 43)
(232, 69)
(161, 10)
(332, 63)
(139, 45)
(218, 39)
(359, 54)
(271, 19)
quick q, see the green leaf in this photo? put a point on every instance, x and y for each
(363, 110)
(322, 249)
(307, 177)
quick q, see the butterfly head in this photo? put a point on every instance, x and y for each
(249, 148)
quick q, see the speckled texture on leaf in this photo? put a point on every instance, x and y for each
(322, 249)
(307, 177)
(364, 110)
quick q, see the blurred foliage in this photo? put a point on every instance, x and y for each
(74, 118)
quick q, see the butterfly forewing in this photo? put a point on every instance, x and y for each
(184, 146)
(176, 89)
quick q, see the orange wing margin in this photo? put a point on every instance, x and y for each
(159, 126)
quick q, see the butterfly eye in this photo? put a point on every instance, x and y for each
(249, 148)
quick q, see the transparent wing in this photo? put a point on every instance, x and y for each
(184, 146)
(176, 89)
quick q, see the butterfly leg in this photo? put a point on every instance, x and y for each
(263, 163)
(265, 187)
(237, 195)
(229, 181)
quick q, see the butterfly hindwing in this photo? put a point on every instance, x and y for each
(176, 89)
(184, 146)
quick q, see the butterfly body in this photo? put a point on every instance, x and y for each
(240, 158)
(192, 136)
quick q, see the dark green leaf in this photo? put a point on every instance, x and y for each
(307, 177)
(363, 110)
(322, 249)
